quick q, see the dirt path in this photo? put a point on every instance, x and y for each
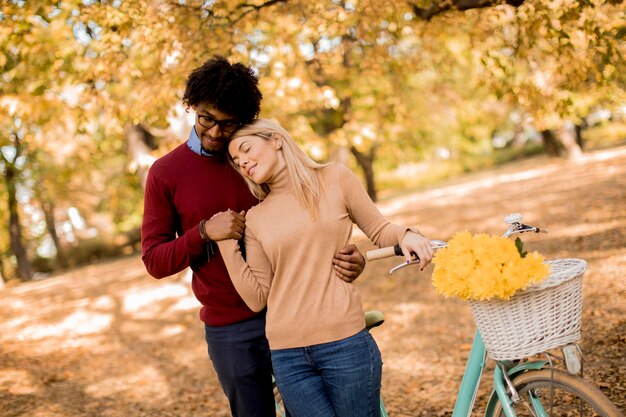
(107, 340)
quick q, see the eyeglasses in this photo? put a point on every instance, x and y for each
(226, 126)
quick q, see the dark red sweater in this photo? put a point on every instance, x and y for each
(182, 189)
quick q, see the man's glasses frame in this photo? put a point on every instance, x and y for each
(226, 126)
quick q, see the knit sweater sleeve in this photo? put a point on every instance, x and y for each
(164, 253)
(251, 277)
(364, 212)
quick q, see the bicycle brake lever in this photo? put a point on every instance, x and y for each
(436, 244)
(533, 229)
(523, 228)
(403, 265)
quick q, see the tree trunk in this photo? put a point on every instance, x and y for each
(3, 275)
(550, 143)
(48, 210)
(24, 268)
(578, 130)
(366, 162)
(518, 136)
(140, 143)
(567, 136)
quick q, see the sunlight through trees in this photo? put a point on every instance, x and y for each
(89, 94)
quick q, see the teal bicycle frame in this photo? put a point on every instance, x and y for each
(471, 379)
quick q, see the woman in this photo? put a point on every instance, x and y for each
(325, 363)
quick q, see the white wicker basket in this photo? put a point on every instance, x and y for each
(542, 317)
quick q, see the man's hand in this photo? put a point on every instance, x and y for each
(348, 263)
(226, 225)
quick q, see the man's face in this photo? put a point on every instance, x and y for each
(213, 138)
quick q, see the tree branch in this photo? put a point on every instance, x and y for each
(260, 6)
(248, 8)
(245, 8)
(440, 6)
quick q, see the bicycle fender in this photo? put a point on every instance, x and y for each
(512, 373)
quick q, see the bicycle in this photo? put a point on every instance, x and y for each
(522, 385)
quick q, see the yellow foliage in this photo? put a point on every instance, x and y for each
(482, 267)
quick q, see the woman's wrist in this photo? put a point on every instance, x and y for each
(411, 230)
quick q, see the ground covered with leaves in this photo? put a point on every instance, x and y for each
(107, 340)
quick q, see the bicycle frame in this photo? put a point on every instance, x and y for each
(474, 367)
(471, 378)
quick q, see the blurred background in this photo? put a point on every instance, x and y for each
(407, 93)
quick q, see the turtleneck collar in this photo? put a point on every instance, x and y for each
(279, 183)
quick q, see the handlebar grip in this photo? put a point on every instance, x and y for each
(383, 253)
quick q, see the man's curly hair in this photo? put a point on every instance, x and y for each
(232, 88)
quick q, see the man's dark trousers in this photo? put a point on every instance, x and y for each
(241, 357)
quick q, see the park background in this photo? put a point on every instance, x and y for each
(454, 113)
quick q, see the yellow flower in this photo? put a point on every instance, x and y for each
(482, 267)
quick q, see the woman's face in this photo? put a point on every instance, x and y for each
(258, 159)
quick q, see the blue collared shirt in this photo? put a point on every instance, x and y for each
(195, 145)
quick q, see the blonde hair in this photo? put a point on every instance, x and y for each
(301, 169)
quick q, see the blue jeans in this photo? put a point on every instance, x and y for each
(335, 379)
(241, 357)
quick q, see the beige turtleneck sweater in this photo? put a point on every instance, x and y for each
(289, 259)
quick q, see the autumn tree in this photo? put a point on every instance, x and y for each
(90, 91)
(557, 63)
(33, 52)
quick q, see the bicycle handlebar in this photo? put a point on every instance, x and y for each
(514, 221)
(395, 250)
(383, 253)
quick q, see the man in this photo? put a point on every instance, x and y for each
(194, 198)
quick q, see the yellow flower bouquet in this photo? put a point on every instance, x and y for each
(484, 267)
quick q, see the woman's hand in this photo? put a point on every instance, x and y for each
(416, 243)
